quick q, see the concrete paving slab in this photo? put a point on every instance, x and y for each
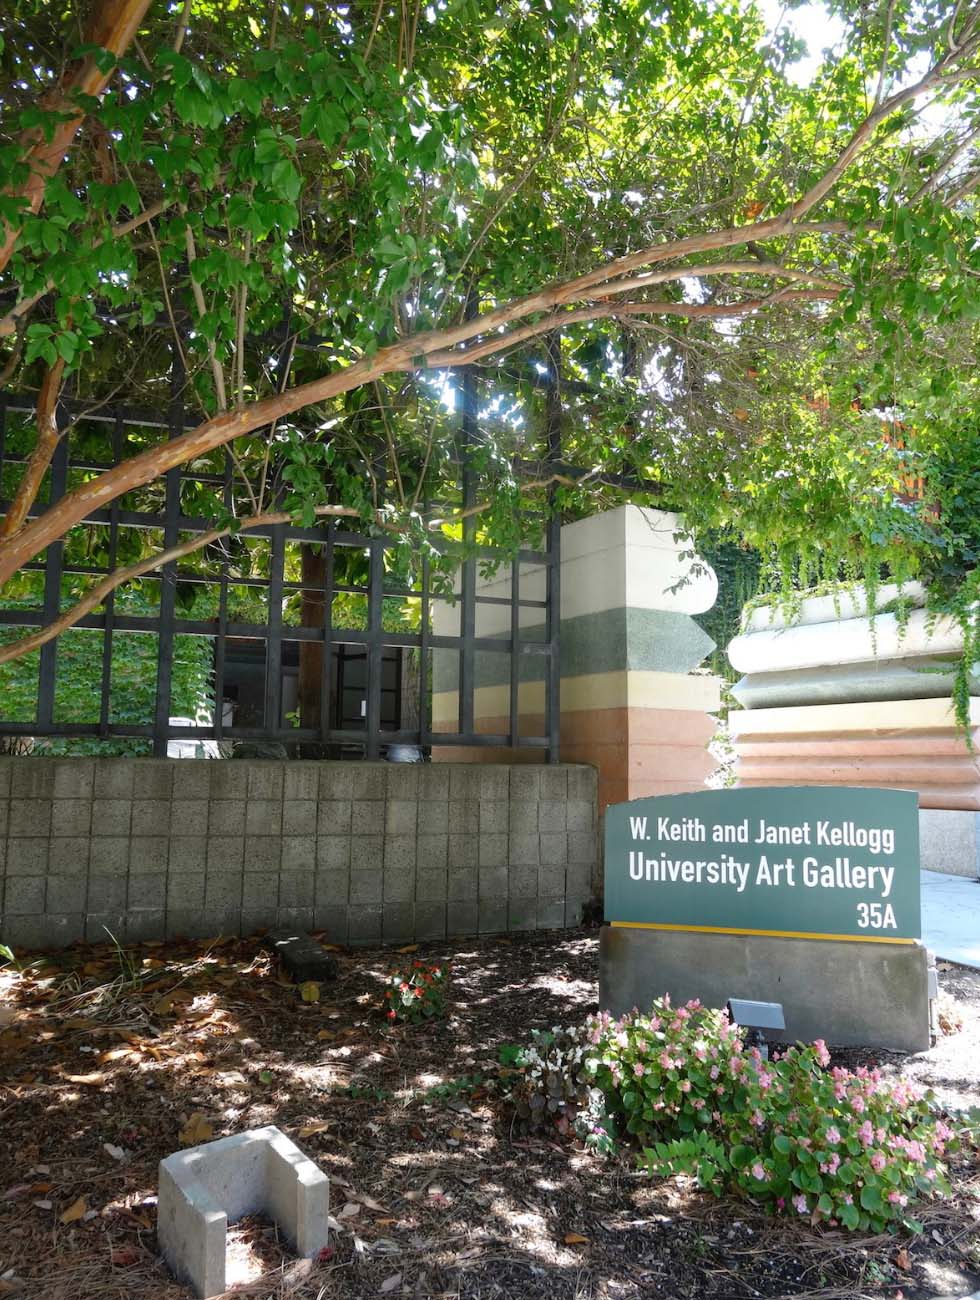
(951, 917)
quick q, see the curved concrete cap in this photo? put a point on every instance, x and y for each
(845, 604)
(878, 717)
(204, 1188)
(882, 679)
(852, 640)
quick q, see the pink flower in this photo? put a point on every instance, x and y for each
(823, 1056)
(765, 1080)
(943, 1131)
(799, 1204)
(638, 1070)
(713, 1072)
(759, 1172)
(857, 1104)
(758, 1119)
(878, 1161)
(897, 1198)
(832, 1136)
(866, 1133)
(665, 1060)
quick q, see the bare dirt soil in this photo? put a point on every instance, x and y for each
(110, 1061)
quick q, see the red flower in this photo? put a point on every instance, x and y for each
(391, 1015)
(420, 993)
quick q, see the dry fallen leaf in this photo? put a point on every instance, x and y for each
(311, 1129)
(754, 209)
(409, 947)
(309, 991)
(575, 1239)
(95, 1080)
(196, 1130)
(125, 1257)
(75, 1211)
(390, 1283)
(902, 1260)
(349, 1210)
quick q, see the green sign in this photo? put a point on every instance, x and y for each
(831, 862)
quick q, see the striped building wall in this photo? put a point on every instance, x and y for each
(632, 703)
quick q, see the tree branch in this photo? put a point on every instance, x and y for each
(48, 437)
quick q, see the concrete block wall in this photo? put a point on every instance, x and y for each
(367, 852)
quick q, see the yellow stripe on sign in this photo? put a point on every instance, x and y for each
(773, 934)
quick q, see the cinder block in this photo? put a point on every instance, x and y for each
(27, 857)
(334, 817)
(433, 817)
(493, 850)
(32, 778)
(205, 1188)
(523, 850)
(336, 781)
(461, 918)
(226, 817)
(366, 852)
(582, 847)
(250, 922)
(331, 888)
(188, 923)
(522, 882)
(553, 783)
(492, 916)
(113, 778)
(4, 817)
(70, 817)
(260, 892)
(299, 817)
(299, 853)
(105, 893)
(103, 927)
(188, 853)
(229, 779)
(46, 931)
(74, 778)
(221, 920)
(432, 851)
(494, 816)
(153, 778)
(463, 852)
(151, 817)
(263, 852)
(148, 853)
(30, 817)
(493, 882)
(401, 816)
(551, 913)
(296, 889)
(399, 886)
(464, 816)
(553, 849)
(226, 852)
(525, 783)
(301, 780)
(364, 925)
(430, 921)
(6, 772)
(332, 921)
(222, 891)
(574, 910)
(69, 857)
(522, 914)
(263, 816)
(188, 817)
(433, 782)
(66, 894)
(192, 778)
(144, 925)
(186, 891)
(403, 782)
(582, 783)
(366, 887)
(551, 882)
(431, 886)
(397, 922)
(332, 852)
(551, 816)
(523, 819)
(464, 781)
(399, 853)
(461, 886)
(494, 783)
(581, 815)
(367, 817)
(111, 816)
(369, 780)
(265, 780)
(578, 878)
(147, 892)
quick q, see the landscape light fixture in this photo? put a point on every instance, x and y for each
(755, 1017)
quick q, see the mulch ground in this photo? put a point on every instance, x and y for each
(108, 1061)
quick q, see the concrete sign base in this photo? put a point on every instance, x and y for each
(206, 1187)
(849, 993)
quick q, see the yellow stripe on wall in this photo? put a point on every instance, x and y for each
(774, 934)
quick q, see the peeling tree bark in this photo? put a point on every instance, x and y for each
(112, 27)
(48, 436)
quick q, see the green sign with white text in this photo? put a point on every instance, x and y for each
(809, 861)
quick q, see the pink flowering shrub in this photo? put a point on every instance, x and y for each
(416, 992)
(839, 1147)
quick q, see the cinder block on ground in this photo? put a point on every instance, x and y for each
(207, 1187)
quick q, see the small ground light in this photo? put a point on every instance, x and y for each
(755, 1017)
